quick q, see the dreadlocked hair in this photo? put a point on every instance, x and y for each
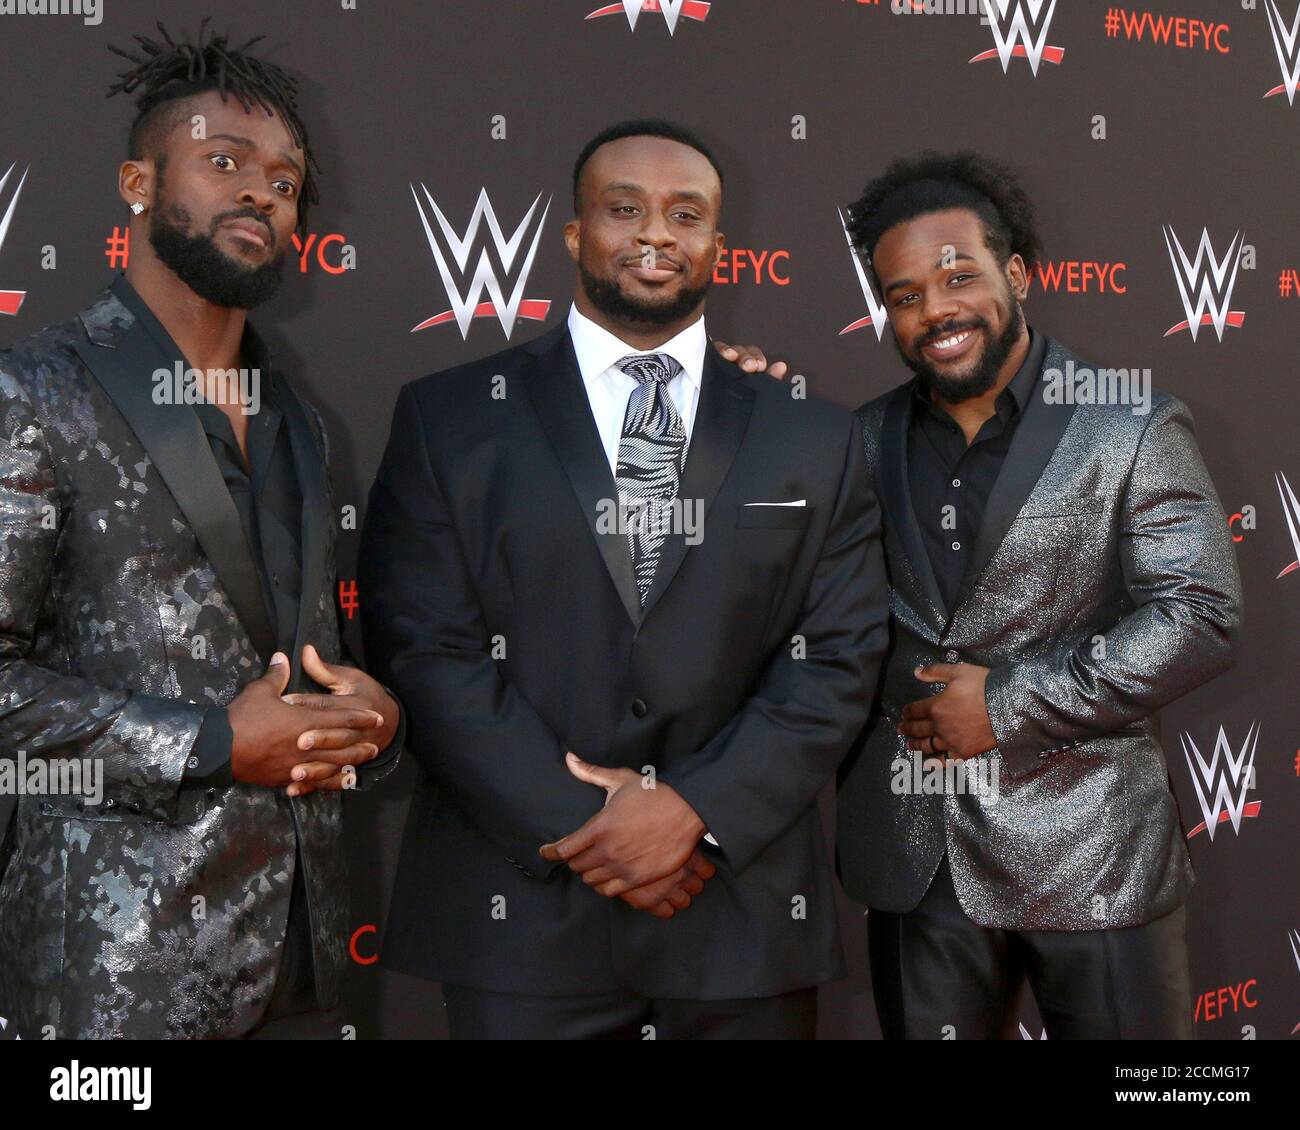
(167, 71)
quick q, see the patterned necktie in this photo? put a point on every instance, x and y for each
(651, 458)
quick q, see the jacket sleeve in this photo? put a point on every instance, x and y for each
(766, 766)
(140, 743)
(1181, 575)
(468, 728)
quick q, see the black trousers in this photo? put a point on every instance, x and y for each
(936, 975)
(479, 1014)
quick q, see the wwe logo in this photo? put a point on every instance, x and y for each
(877, 317)
(11, 300)
(1020, 31)
(1285, 43)
(1228, 783)
(1294, 937)
(1212, 283)
(466, 307)
(671, 10)
(1291, 508)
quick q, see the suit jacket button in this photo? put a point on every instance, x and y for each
(952, 657)
(639, 708)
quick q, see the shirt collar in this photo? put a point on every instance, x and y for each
(1022, 385)
(253, 351)
(599, 350)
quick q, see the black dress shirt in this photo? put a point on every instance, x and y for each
(267, 495)
(268, 498)
(950, 481)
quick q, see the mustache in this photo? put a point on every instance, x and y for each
(662, 262)
(949, 330)
(245, 214)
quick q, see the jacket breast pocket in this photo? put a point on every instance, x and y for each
(774, 517)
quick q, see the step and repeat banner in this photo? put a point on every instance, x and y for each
(1159, 141)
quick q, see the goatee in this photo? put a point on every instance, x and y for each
(207, 270)
(620, 308)
(985, 376)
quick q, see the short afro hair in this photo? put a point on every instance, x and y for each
(641, 127)
(168, 71)
(935, 182)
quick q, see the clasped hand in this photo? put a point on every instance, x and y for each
(274, 731)
(641, 847)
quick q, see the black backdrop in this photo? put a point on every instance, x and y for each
(1117, 135)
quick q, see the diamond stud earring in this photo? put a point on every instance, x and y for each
(137, 208)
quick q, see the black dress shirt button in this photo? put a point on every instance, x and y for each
(639, 708)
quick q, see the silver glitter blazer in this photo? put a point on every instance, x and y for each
(1103, 586)
(159, 912)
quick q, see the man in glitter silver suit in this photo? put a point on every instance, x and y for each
(1060, 569)
(166, 574)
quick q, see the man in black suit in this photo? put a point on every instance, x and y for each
(547, 573)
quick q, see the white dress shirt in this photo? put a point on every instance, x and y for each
(609, 388)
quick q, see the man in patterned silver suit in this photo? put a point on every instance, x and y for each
(1060, 569)
(166, 574)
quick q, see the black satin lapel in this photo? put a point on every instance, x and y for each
(178, 447)
(896, 492)
(309, 463)
(720, 422)
(1032, 448)
(555, 388)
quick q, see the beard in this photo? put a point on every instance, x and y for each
(202, 266)
(610, 299)
(984, 375)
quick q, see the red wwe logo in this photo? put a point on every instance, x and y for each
(671, 10)
(454, 248)
(1286, 42)
(1020, 31)
(10, 300)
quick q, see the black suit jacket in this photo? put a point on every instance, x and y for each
(508, 623)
